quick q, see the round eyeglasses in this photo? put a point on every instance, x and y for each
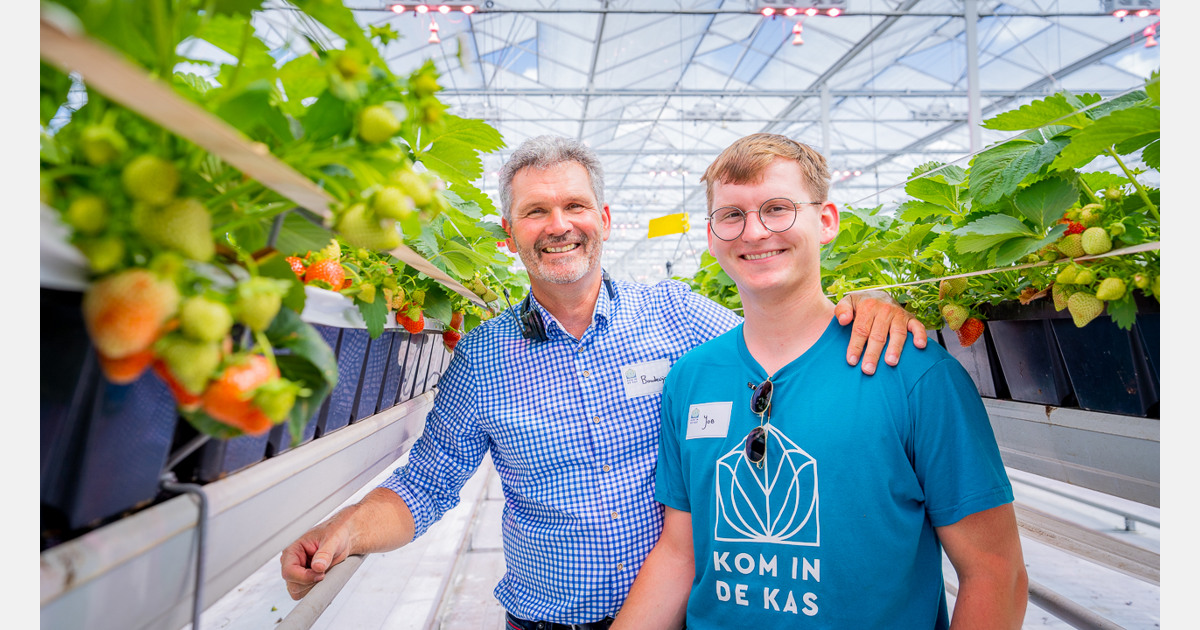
(776, 215)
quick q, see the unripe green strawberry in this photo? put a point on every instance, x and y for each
(88, 214)
(431, 111)
(1031, 258)
(276, 398)
(1050, 255)
(361, 228)
(151, 179)
(183, 225)
(104, 253)
(1116, 229)
(1113, 194)
(955, 315)
(1084, 307)
(425, 84)
(390, 202)
(1111, 289)
(1071, 245)
(413, 185)
(376, 124)
(1067, 275)
(203, 319)
(1141, 280)
(350, 65)
(366, 293)
(257, 301)
(101, 144)
(1060, 293)
(1154, 287)
(191, 362)
(418, 297)
(1089, 215)
(937, 269)
(1085, 276)
(1095, 241)
(951, 288)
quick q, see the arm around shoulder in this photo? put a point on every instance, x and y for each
(381, 521)
(985, 550)
(659, 595)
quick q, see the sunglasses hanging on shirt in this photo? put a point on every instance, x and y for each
(760, 405)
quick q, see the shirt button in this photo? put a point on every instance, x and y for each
(587, 373)
(596, 419)
(614, 515)
(607, 468)
(620, 565)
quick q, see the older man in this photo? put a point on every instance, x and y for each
(564, 391)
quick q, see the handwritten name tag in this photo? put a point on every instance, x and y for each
(645, 379)
(709, 420)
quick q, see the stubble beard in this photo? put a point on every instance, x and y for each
(567, 273)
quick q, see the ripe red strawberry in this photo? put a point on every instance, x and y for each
(230, 398)
(125, 312)
(955, 315)
(128, 369)
(970, 331)
(411, 318)
(450, 338)
(456, 320)
(185, 399)
(1075, 227)
(297, 267)
(1084, 307)
(326, 274)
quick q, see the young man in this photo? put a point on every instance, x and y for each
(568, 408)
(799, 493)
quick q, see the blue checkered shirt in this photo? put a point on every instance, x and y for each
(574, 454)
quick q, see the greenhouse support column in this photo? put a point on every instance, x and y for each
(825, 106)
(971, 16)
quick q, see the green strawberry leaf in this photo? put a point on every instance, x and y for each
(234, 35)
(374, 314)
(337, 17)
(302, 371)
(1045, 202)
(253, 113)
(1123, 311)
(207, 425)
(437, 304)
(328, 117)
(1015, 249)
(1150, 155)
(302, 78)
(913, 211)
(998, 172)
(933, 191)
(298, 236)
(1052, 109)
(1153, 88)
(1115, 128)
(989, 231)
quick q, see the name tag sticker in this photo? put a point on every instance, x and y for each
(645, 379)
(709, 420)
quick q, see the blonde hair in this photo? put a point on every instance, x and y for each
(746, 160)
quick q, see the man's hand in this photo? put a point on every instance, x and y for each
(305, 561)
(877, 319)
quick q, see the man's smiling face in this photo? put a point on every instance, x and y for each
(557, 228)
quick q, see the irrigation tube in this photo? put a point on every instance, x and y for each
(168, 483)
(1068, 611)
(306, 612)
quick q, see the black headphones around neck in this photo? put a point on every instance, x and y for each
(530, 319)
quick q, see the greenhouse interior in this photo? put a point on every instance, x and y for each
(397, 286)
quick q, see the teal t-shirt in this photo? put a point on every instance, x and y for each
(836, 530)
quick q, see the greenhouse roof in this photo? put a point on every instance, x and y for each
(658, 88)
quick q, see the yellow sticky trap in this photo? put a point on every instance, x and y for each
(669, 224)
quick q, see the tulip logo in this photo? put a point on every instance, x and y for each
(777, 503)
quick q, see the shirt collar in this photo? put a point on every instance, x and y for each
(601, 313)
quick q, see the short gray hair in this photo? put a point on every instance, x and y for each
(544, 152)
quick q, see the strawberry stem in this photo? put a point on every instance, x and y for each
(1141, 191)
(1091, 195)
(264, 344)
